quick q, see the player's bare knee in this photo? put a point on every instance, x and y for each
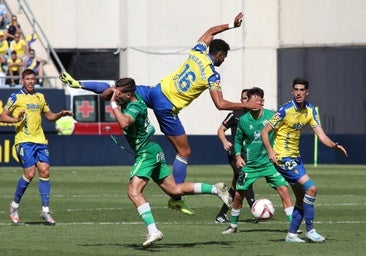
(176, 191)
(310, 187)
(133, 193)
(186, 153)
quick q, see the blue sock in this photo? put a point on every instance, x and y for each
(309, 211)
(20, 189)
(297, 216)
(97, 87)
(180, 169)
(44, 188)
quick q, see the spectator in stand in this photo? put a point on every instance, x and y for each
(20, 46)
(13, 28)
(4, 46)
(36, 64)
(3, 15)
(15, 68)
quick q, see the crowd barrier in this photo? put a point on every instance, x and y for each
(100, 150)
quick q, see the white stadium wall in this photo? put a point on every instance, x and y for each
(154, 36)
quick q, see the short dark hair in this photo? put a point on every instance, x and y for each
(218, 45)
(255, 91)
(126, 84)
(300, 80)
(244, 90)
(27, 72)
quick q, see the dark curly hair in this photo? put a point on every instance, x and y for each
(218, 45)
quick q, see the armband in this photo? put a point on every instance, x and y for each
(231, 25)
(336, 145)
(114, 105)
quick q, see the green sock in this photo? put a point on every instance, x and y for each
(148, 218)
(289, 217)
(146, 214)
(235, 213)
(206, 188)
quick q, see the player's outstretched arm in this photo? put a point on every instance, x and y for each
(222, 104)
(208, 36)
(52, 117)
(107, 94)
(327, 141)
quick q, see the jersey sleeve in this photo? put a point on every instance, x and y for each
(133, 110)
(10, 104)
(315, 120)
(277, 118)
(214, 82)
(200, 46)
(46, 107)
(238, 140)
(229, 121)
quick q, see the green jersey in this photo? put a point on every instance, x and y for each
(249, 142)
(139, 134)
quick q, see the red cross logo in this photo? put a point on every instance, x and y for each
(85, 108)
(109, 110)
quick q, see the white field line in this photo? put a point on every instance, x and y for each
(165, 207)
(180, 223)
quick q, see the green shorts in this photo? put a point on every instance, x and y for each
(150, 163)
(249, 176)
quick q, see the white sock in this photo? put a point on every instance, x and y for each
(14, 205)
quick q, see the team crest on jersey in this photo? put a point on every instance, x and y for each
(277, 117)
(215, 85)
(257, 135)
(298, 126)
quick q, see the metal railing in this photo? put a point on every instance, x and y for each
(23, 8)
(47, 81)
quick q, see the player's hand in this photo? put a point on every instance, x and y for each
(272, 156)
(227, 145)
(341, 148)
(254, 103)
(238, 19)
(115, 94)
(66, 113)
(21, 115)
(239, 161)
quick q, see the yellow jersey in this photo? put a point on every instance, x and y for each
(193, 77)
(19, 47)
(288, 123)
(18, 61)
(30, 129)
(4, 46)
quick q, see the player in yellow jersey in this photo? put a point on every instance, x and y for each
(287, 124)
(178, 90)
(30, 142)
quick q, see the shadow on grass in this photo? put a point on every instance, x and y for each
(32, 223)
(159, 245)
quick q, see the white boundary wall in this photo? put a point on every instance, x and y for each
(154, 36)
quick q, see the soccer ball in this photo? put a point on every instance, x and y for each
(262, 209)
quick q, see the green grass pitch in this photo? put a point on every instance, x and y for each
(95, 217)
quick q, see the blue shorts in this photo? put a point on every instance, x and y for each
(31, 153)
(154, 98)
(292, 169)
